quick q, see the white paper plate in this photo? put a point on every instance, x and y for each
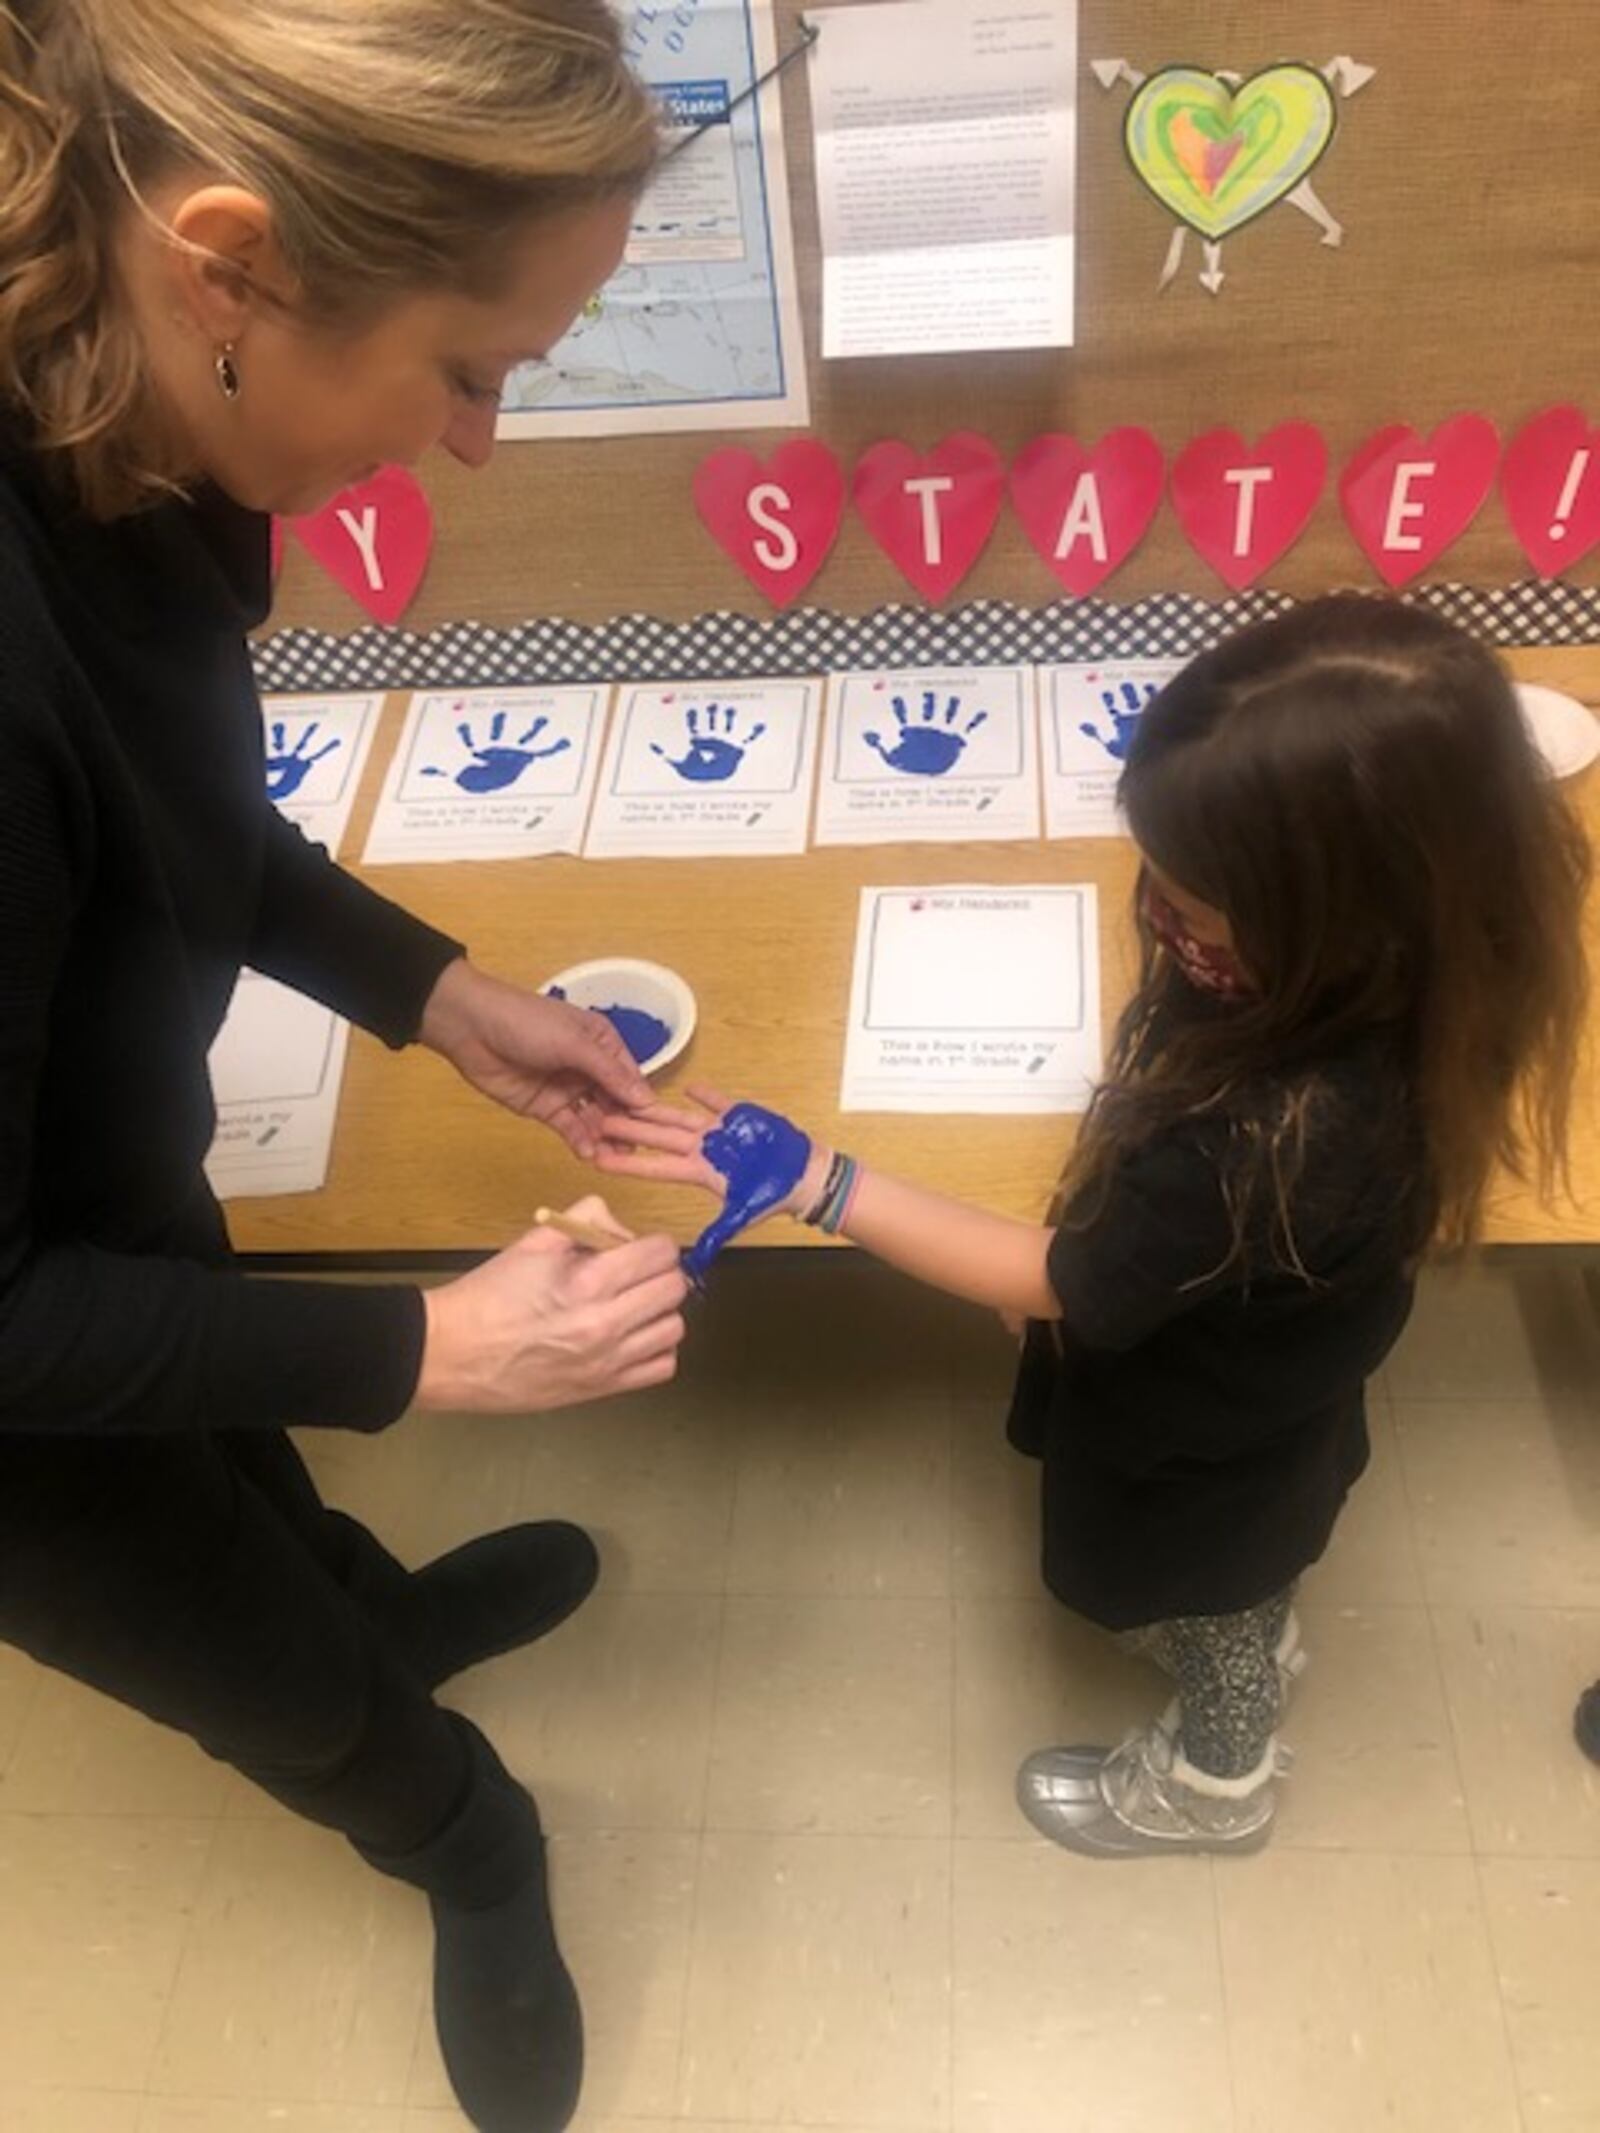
(625, 981)
(1565, 732)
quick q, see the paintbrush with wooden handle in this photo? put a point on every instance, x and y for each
(584, 1233)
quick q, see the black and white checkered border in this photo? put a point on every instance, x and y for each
(462, 655)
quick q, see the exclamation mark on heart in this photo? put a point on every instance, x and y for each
(1569, 494)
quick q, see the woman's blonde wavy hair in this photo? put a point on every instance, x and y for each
(396, 141)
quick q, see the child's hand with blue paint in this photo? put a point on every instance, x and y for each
(762, 1165)
(757, 1161)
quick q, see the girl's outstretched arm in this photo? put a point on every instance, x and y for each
(966, 1251)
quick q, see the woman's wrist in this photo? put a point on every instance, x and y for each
(446, 1015)
(436, 1376)
(426, 1390)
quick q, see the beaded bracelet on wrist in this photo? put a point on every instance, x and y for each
(814, 1213)
(830, 1211)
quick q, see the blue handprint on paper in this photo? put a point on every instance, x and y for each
(290, 764)
(928, 746)
(715, 749)
(497, 762)
(1124, 708)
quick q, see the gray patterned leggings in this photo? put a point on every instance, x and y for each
(1226, 1671)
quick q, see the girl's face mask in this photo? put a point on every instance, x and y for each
(1206, 964)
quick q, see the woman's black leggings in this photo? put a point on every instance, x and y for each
(201, 1579)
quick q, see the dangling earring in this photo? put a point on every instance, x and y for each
(227, 372)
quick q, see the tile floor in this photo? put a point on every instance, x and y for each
(776, 1750)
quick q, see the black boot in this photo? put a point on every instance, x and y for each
(486, 1597)
(1586, 1722)
(510, 2027)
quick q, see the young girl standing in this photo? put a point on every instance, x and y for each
(1362, 985)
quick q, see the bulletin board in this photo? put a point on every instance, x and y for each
(1469, 279)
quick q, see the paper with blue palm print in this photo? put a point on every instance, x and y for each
(1090, 713)
(490, 774)
(314, 751)
(926, 756)
(707, 768)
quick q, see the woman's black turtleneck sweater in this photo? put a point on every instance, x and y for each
(140, 866)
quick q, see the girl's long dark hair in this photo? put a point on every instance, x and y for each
(1352, 785)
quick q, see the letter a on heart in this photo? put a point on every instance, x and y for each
(1086, 508)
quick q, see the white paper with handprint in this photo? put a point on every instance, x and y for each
(944, 755)
(276, 1069)
(1091, 712)
(974, 999)
(316, 750)
(490, 774)
(706, 769)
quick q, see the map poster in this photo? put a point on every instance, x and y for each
(699, 328)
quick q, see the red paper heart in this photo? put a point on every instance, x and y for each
(1550, 483)
(1086, 508)
(1243, 506)
(932, 532)
(778, 520)
(373, 539)
(1406, 501)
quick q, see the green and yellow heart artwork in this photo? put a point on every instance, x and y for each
(1219, 149)
(1218, 156)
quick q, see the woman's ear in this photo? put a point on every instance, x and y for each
(226, 257)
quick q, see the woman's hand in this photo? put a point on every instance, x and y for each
(547, 1324)
(667, 1143)
(541, 1058)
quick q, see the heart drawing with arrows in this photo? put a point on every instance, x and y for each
(1218, 149)
(1217, 156)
